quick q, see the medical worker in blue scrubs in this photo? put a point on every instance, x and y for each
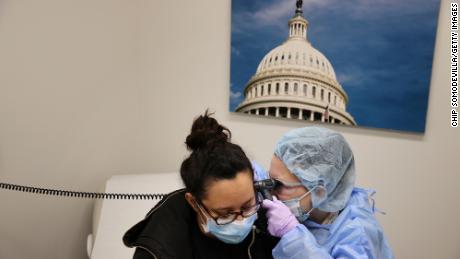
(317, 212)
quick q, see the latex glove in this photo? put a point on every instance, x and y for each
(280, 218)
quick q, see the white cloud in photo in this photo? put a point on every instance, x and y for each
(235, 95)
(273, 14)
(344, 78)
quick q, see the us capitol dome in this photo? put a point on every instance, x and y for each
(296, 81)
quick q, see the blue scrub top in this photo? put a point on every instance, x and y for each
(355, 233)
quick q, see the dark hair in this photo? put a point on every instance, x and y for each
(213, 156)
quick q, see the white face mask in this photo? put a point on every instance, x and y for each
(296, 209)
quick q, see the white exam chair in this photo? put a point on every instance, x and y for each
(112, 218)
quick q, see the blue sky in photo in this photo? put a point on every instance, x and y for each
(381, 51)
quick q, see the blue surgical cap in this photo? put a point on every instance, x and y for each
(320, 156)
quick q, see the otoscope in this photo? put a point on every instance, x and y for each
(265, 187)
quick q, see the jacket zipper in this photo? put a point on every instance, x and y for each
(146, 249)
(249, 247)
(154, 256)
(252, 241)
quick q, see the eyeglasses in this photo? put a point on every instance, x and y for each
(231, 216)
(280, 184)
(319, 190)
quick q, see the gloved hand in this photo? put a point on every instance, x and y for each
(280, 218)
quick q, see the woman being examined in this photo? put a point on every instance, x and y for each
(216, 215)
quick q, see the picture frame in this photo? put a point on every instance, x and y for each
(356, 63)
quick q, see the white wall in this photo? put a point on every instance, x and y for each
(89, 89)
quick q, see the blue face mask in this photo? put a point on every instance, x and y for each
(296, 209)
(231, 233)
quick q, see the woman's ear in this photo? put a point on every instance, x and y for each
(191, 201)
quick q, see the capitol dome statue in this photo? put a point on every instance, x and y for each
(296, 81)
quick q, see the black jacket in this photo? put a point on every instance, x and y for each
(170, 231)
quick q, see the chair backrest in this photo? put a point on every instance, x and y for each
(112, 218)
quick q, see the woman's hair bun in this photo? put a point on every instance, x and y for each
(206, 132)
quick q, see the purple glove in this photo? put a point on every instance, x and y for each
(280, 218)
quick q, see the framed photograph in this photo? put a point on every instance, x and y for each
(357, 62)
